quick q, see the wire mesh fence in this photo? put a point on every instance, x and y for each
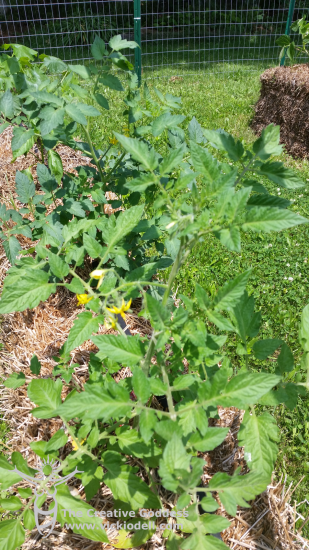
(178, 37)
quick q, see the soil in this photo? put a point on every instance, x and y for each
(284, 101)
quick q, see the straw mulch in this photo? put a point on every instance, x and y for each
(270, 522)
(284, 100)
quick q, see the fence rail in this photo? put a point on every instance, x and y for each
(178, 37)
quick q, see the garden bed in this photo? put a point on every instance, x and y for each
(284, 101)
(268, 524)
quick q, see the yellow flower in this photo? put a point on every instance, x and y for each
(83, 299)
(121, 310)
(126, 131)
(75, 447)
(98, 274)
(113, 141)
(111, 324)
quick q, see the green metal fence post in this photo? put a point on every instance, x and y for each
(137, 38)
(288, 26)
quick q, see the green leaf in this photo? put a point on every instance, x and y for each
(204, 162)
(4, 126)
(225, 142)
(157, 386)
(166, 121)
(283, 40)
(126, 221)
(117, 43)
(66, 501)
(229, 237)
(58, 440)
(158, 313)
(24, 187)
(35, 365)
(221, 322)
(15, 380)
(58, 266)
(93, 247)
(228, 296)
(139, 151)
(81, 70)
(271, 219)
(47, 394)
(102, 101)
(198, 541)
(46, 180)
(84, 326)
(96, 403)
(46, 97)
(210, 440)
(126, 350)
(76, 114)
(98, 49)
(55, 164)
(264, 348)
(7, 104)
(31, 289)
(88, 110)
(268, 200)
(12, 534)
(11, 248)
(269, 143)
(172, 160)
(111, 82)
(147, 422)
(183, 382)
(195, 131)
(22, 141)
(209, 504)
(141, 183)
(237, 489)
(258, 435)
(279, 174)
(246, 389)
(285, 360)
(140, 385)
(175, 456)
(29, 520)
(11, 503)
(51, 119)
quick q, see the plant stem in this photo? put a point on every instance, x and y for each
(169, 396)
(94, 156)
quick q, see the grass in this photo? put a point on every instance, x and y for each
(228, 103)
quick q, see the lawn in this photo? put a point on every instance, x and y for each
(279, 260)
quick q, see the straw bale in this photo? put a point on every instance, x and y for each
(284, 100)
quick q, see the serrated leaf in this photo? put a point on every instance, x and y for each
(7, 104)
(209, 504)
(237, 490)
(102, 101)
(271, 219)
(93, 247)
(128, 351)
(81, 70)
(210, 440)
(87, 110)
(58, 266)
(22, 140)
(47, 394)
(15, 380)
(195, 131)
(225, 142)
(29, 520)
(285, 360)
(230, 237)
(279, 174)
(84, 326)
(147, 422)
(12, 534)
(221, 322)
(35, 365)
(76, 114)
(24, 187)
(96, 403)
(158, 314)
(264, 348)
(172, 160)
(58, 440)
(51, 119)
(304, 329)
(269, 143)
(166, 121)
(11, 247)
(111, 82)
(183, 382)
(32, 289)
(141, 183)
(117, 43)
(139, 151)
(204, 162)
(198, 541)
(246, 389)
(55, 164)
(258, 435)
(46, 97)
(140, 385)
(228, 296)
(46, 180)
(98, 48)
